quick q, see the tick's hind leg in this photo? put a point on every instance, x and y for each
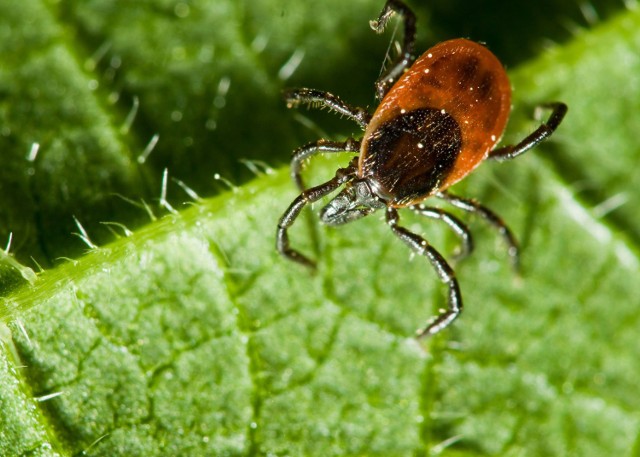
(318, 147)
(420, 246)
(454, 223)
(406, 57)
(492, 218)
(544, 131)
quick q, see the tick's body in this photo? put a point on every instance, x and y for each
(437, 123)
(437, 120)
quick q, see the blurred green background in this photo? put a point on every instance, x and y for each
(93, 82)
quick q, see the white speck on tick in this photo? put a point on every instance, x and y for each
(493, 138)
(429, 55)
(420, 145)
(426, 70)
(443, 111)
(402, 111)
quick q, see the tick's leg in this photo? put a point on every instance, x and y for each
(492, 218)
(406, 57)
(545, 130)
(320, 99)
(318, 147)
(420, 246)
(291, 214)
(454, 223)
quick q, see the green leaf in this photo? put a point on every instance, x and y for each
(192, 337)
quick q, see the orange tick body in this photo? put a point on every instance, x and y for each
(457, 93)
(439, 116)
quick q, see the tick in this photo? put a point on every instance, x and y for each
(439, 116)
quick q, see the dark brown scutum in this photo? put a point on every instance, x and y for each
(408, 156)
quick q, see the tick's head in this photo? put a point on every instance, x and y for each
(356, 200)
